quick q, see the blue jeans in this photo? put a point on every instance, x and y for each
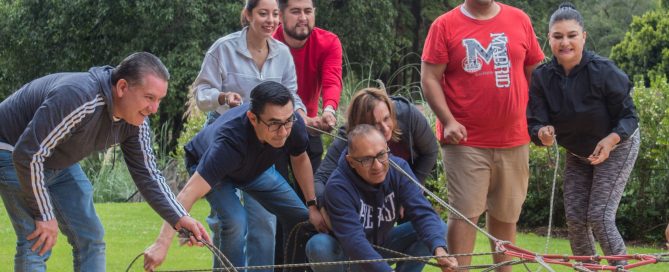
(403, 238)
(259, 233)
(232, 222)
(72, 197)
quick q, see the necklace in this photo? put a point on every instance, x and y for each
(259, 50)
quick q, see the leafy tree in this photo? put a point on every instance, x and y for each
(645, 48)
(42, 37)
(365, 28)
(643, 210)
(606, 21)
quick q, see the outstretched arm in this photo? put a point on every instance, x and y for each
(195, 189)
(305, 178)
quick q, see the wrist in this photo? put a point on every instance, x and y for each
(162, 241)
(312, 203)
(330, 109)
(313, 208)
(614, 138)
(440, 250)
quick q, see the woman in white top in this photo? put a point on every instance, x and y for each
(232, 67)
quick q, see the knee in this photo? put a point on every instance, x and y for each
(28, 260)
(577, 226)
(233, 225)
(322, 247)
(90, 237)
(265, 223)
(600, 223)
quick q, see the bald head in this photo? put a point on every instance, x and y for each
(368, 131)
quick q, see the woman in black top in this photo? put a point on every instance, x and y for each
(583, 100)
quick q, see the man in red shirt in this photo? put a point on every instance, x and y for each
(477, 63)
(317, 54)
(318, 63)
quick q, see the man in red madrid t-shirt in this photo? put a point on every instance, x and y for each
(317, 54)
(477, 62)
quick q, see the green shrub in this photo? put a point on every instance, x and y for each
(643, 212)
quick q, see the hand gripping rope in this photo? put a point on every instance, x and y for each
(581, 263)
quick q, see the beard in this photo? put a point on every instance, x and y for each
(298, 36)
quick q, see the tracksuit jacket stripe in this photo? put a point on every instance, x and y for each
(45, 148)
(149, 163)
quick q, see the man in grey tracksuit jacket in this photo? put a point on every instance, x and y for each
(53, 122)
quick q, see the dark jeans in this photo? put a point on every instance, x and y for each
(315, 152)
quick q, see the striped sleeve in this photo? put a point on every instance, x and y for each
(52, 123)
(139, 157)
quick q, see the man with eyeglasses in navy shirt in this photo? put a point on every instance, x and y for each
(363, 198)
(238, 151)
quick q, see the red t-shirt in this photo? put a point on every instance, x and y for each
(484, 81)
(318, 68)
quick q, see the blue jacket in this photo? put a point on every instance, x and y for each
(362, 214)
(57, 120)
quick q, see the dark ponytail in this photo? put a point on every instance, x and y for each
(566, 11)
(248, 7)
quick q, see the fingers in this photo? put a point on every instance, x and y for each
(154, 255)
(448, 264)
(547, 135)
(455, 133)
(205, 234)
(455, 137)
(34, 235)
(329, 121)
(40, 240)
(600, 154)
(149, 263)
(234, 99)
(463, 132)
(322, 227)
(46, 233)
(196, 230)
(44, 241)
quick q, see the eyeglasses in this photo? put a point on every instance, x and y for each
(274, 126)
(382, 157)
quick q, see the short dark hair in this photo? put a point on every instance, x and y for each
(284, 3)
(360, 130)
(566, 11)
(269, 92)
(134, 67)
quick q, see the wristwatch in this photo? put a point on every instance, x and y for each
(312, 202)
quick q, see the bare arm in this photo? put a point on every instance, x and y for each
(155, 254)
(305, 178)
(430, 78)
(529, 70)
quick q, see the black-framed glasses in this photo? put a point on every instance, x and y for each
(274, 126)
(382, 157)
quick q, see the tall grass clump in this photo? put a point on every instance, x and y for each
(109, 174)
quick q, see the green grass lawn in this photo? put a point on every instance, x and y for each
(131, 227)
